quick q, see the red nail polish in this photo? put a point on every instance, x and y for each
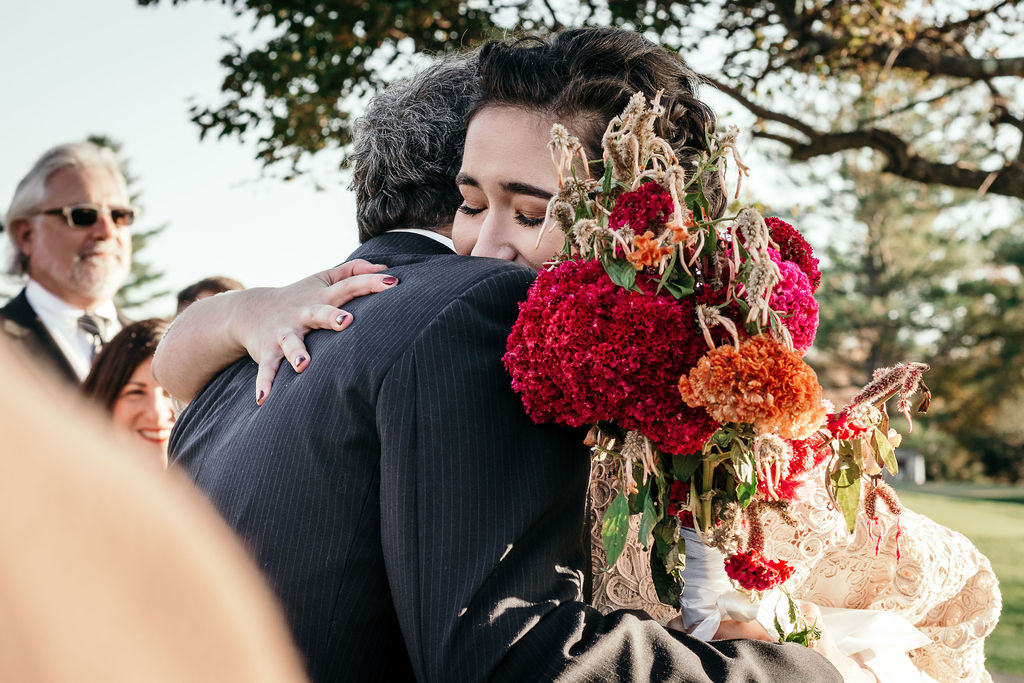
(390, 280)
(259, 396)
(342, 318)
(300, 360)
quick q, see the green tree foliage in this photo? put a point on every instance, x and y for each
(799, 66)
(143, 284)
(935, 276)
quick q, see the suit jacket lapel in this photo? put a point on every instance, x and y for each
(20, 322)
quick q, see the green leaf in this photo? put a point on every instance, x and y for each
(744, 492)
(696, 200)
(722, 438)
(647, 522)
(668, 271)
(847, 482)
(666, 535)
(642, 495)
(884, 450)
(621, 273)
(742, 461)
(614, 528)
(680, 285)
(668, 583)
(683, 466)
(606, 185)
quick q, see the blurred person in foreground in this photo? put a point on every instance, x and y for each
(206, 287)
(69, 223)
(121, 382)
(113, 571)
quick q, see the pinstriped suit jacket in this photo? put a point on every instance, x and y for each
(413, 520)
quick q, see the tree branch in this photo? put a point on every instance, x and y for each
(1008, 181)
(973, 16)
(902, 161)
(758, 110)
(937, 63)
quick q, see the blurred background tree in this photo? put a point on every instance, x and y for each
(795, 65)
(143, 284)
(927, 274)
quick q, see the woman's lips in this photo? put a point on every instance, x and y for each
(155, 435)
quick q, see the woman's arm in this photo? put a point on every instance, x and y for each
(267, 323)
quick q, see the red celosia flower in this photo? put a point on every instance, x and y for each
(647, 207)
(793, 297)
(763, 384)
(844, 428)
(752, 570)
(805, 456)
(678, 492)
(795, 248)
(584, 349)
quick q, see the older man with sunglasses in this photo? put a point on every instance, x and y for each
(69, 223)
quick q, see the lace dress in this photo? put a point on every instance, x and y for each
(941, 584)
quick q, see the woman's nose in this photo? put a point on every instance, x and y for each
(492, 242)
(161, 408)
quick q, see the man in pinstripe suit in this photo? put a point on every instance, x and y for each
(413, 520)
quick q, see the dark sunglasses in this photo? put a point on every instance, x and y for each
(86, 215)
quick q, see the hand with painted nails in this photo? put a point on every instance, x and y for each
(267, 323)
(277, 320)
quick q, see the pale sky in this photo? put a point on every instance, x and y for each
(78, 67)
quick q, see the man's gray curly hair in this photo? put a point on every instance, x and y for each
(408, 149)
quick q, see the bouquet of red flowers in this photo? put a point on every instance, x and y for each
(678, 336)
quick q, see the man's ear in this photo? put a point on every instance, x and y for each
(21, 232)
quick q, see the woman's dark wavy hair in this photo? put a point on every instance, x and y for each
(114, 365)
(584, 77)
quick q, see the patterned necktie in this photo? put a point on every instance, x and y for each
(91, 326)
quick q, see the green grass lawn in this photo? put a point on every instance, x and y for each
(997, 528)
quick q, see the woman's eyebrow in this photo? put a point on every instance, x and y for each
(510, 186)
(524, 188)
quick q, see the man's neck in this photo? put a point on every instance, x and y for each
(73, 301)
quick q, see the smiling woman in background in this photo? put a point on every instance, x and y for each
(121, 380)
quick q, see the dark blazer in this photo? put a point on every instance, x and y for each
(413, 520)
(20, 324)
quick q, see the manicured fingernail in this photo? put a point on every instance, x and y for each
(259, 396)
(300, 360)
(390, 280)
(342, 318)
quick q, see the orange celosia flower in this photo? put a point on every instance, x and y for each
(647, 251)
(679, 233)
(763, 384)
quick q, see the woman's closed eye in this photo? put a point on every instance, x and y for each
(471, 210)
(528, 221)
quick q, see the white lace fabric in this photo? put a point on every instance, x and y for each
(941, 584)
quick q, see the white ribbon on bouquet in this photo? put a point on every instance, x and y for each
(881, 638)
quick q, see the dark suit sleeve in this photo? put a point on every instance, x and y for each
(483, 519)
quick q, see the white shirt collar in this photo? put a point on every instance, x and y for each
(43, 299)
(436, 236)
(61, 321)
